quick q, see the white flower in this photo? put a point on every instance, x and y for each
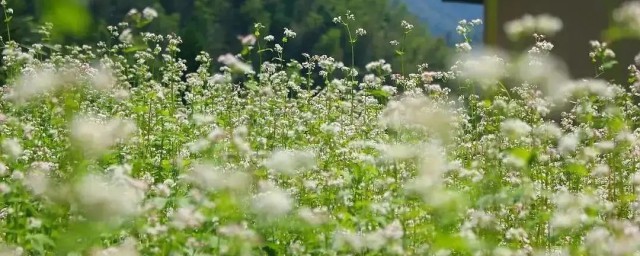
(126, 36)
(394, 230)
(33, 84)
(212, 178)
(417, 112)
(247, 40)
(149, 13)
(132, 12)
(311, 217)
(529, 24)
(33, 223)
(354, 241)
(12, 148)
(4, 189)
(515, 128)
(406, 25)
(127, 248)
(95, 136)
(235, 63)
(361, 32)
(4, 170)
(628, 16)
(600, 170)
(464, 47)
(548, 130)
(103, 79)
(290, 161)
(289, 33)
(568, 143)
(272, 201)
(187, 217)
(37, 181)
(636, 178)
(486, 68)
(105, 198)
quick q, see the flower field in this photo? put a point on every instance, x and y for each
(115, 149)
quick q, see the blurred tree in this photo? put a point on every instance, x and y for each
(214, 26)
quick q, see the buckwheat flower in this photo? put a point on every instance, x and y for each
(96, 136)
(278, 48)
(103, 79)
(132, 12)
(361, 32)
(187, 217)
(548, 130)
(375, 240)
(269, 38)
(550, 73)
(486, 68)
(126, 36)
(233, 62)
(605, 146)
(290, 161)
(149, 13)
(418, 112)
(406, 25)
(289, 33)
(529, 24)
(211, 178)
(394, 230)
(247, 40)
(4, 170)
(239, 231)
(32, 84)
(17, 175)
(600, 170)
(353, 241)
(464, 47)
(628, 16)
(548, 25)
(312, 217)
(4, 189)
(103, 198)
(394, 43)
(37, 181)
(12, 148)
(198, 146)
(216, 135)
(398, 152)
(127, 248)
(515, 128)
(272, 202)
(568, 143)
(33, 223)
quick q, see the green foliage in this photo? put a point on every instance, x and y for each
(214, 26)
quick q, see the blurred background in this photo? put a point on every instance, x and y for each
(214, 25)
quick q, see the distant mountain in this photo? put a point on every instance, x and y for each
(442, 17)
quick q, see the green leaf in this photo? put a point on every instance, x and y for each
(577, 169)
(379, 93)
(609, 64)
(523, 153)
(69, 17)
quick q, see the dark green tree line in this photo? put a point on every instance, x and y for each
(214, 26)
